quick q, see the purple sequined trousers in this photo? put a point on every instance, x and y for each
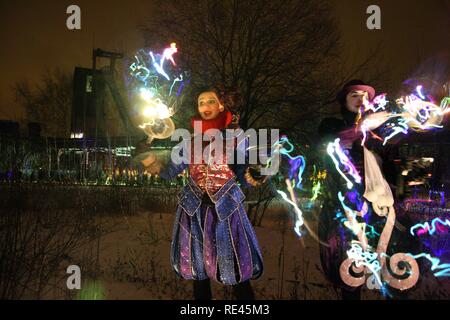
(214, 239)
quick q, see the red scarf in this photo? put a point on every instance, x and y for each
(222, 121)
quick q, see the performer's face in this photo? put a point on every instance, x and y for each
(208, 105)
(355, 100)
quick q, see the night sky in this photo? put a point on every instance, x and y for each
(34, 36)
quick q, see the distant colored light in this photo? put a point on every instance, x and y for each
(339, 157)
(430, 227)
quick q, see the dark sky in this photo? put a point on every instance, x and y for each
(33, 35)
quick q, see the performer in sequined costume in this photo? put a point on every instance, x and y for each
(212, 236)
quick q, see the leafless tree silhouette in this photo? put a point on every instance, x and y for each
(48, 103)
(280, 55)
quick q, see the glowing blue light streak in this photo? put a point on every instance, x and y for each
(178, 79)
(431, 228)
(435, 264)
(139, 70)
(299, 214)
(298, 161)
(341, 198)
(159, 67)
(372, 231)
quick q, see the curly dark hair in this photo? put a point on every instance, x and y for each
(230, 98)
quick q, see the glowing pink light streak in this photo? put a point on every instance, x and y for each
(169, 52)
(431, 228)
(421, 114)
(378, 103)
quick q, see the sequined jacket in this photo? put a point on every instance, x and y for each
(210, 178)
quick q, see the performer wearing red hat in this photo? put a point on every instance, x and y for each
(350, 206)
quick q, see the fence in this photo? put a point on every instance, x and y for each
(74, 162)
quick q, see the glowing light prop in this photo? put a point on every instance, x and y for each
(139, 70)
(169, 52)
(297, 163)
(367, 259)
(422, 115)
(158, 86)
(155, 108)
(412, 112)
(416, 112)
(429, 227)
(402, 272)
(371, 261)
(158, 122)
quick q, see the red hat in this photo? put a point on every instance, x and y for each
(354, 85)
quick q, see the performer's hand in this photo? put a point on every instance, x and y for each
(253, 176)
(149, 161)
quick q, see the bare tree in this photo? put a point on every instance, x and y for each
(283, 56)
(49, 103)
